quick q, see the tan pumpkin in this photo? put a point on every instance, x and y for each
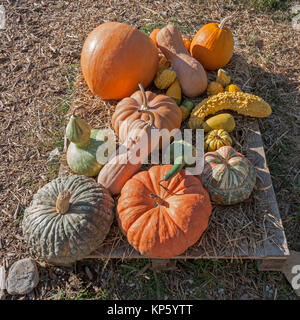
(167, 115)
(190, 73)
(122, 166)
(116, 57)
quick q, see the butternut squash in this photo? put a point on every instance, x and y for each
(190, 73)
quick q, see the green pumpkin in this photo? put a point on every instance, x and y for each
(67, 219)
(85, 142)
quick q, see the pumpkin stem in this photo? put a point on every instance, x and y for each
(76, 108)
(222, 23)
(150, 114)
(158, 200)
(63, 201)
(145, 102)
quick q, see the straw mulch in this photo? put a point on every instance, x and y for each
(39, 61)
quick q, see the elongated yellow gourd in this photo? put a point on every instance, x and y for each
(243, 103)
(223, 121)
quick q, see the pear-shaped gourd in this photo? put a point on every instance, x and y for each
(87, 153)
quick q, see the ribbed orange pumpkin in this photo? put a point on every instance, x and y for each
(160, 223)
(116, 57)
(213, 45)
(166, 113)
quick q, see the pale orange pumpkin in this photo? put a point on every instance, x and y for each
(163, 219)
(213, 45)
(167, 115)
(122, 166)
(116, 57)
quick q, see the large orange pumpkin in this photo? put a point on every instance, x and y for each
(167, 115)
(116, 57)
(162, 222)
(213, 45)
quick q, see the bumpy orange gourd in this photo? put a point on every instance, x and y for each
(116, 57)
(162, 222)
(213, 45)
(166, 113)
(190, 73)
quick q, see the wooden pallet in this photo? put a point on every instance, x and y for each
(271, 252)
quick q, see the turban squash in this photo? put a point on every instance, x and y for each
(228, 175)
(167, 115)
(68, 218)
(163, 219)
(116, 57)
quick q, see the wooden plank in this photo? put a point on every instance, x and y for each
(271, 264)
(274, 240)
(273, 244)
(163, 264)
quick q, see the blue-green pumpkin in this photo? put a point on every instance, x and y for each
(85, 142)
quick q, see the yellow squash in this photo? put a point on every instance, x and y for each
(174, 92)
(223, 121)
(233, 88)
(243, 103)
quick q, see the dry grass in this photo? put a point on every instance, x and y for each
(39, 59)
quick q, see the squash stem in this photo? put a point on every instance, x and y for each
(145, 102)
(222, 23)
(63, 201)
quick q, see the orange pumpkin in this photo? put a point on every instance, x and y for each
(162, 222)
(213, 45)
(153, 35)
(116, 57)
(187, 44)
(167, 115)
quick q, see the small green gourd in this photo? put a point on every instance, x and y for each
(178, 147)
(85, 142)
